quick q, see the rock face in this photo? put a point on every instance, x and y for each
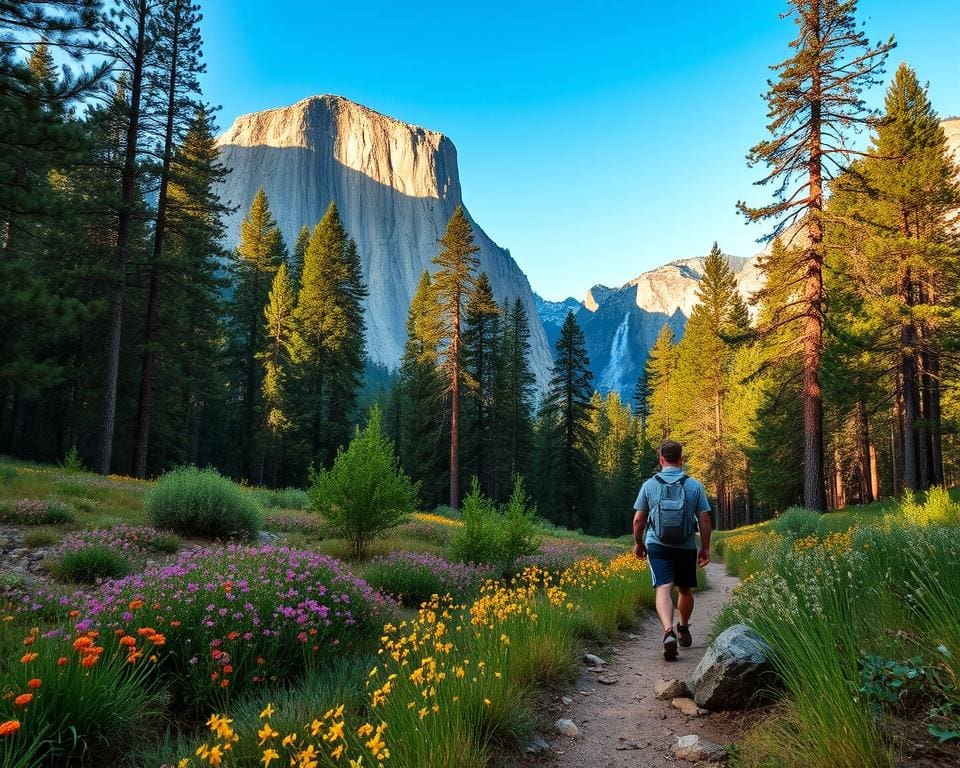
(396, 186)
(622, 324)
(735, 671)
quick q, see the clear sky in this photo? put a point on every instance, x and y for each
(596, 139)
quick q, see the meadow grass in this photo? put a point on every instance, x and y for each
(833, 596)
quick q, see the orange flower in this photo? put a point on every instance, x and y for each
(118, 632)
(144, 631)
(227, 586)
(233, 635)
(82, 642)
(175, 623)
(128, 641)
(133, 656)
(228, 669)
(23, 699)
(29, 639)
(135, 605)
(34, 683)
(62, 661)
(28, 657)
(157, 639)
(74, 614)
(89, 661)
(9, 727)
(224, 683)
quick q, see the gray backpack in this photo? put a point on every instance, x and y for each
(668, 512)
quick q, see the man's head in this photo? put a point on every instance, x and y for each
(671, 453)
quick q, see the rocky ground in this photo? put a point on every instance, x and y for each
(613, 719)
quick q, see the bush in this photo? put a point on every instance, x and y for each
(285, 498)
(72, 463)
(88, 564)
(936, 508)
(414, 577)
(201, 502)
(797, 523)
(36, 512)
(496, 537)
(41, 537)
(365, 493)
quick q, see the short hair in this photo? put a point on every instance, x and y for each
(671, 451)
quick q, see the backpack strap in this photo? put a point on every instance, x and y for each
(683, 478)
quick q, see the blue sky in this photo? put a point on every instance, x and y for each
(595, 139)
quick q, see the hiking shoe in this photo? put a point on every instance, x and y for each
(669, 645)
(683, 635)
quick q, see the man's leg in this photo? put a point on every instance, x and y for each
(684, 605)
(665, 605)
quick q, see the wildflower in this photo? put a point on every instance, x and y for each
(62, 661)
(335, 754)
(135, 605)
(289, 739)
(266, 733)
(82, 643)
(269, 755)
(216, 755)
(9, 728)
(23, 699)
(157, 639)
(34, 683)
(89, 661)
(28, 657)
(128, 641)
(268, 711)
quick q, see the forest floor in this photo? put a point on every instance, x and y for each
(622, 724)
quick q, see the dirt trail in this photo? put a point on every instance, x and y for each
(623, 725)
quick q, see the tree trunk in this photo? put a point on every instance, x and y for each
(864, 468)
(455, 405)
(874, 473)
(128, 200)
(145, 399)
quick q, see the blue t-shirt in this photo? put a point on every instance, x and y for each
(696, 502)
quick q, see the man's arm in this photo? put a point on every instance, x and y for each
(639, 531)
(705, 530)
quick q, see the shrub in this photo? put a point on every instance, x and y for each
(88, 564)
(936, 508)
(41, 537)
(72, 463)
(414, 577)
(365, 493)
(285, 498)
(36, 512)
(797, 523)
(201, 502)
(496, 537)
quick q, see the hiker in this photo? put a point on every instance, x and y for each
(670, 508)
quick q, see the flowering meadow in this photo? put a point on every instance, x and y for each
(865, 629)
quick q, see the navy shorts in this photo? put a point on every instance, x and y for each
(672, 564)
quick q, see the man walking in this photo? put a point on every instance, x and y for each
(670, 508)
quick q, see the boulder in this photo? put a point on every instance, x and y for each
(735, 670)
(566, 727)
(589, 658)
(693, 749)
(665, 690)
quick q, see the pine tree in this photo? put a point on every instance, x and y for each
(642, 392)
(481, 337)
(660, 371)
(704, 357)
(515, 393)
(258, 256)
(816, 99)
(421, 395)
(330, 328)
(299, 254)
(567, 412)
(172, 100)
(276, 358)
(453, 284)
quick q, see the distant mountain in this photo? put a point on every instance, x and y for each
(622, 324)
(396, 186)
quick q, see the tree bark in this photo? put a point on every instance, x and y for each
(128, 193)
(863, 452)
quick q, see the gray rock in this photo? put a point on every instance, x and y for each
(589, 658)
(688, 707)
(566, 727)
(395, 185)
(268, 537)
(537, 745)
(567, 701)
(693, 749)
(735, 671)
(670, 689)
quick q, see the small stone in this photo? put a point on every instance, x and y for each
(688, 707)
(589, 658)
(567, 701)
(608, 680)
(693, 749)
(566, 727)
(670, 689)
(537, 745)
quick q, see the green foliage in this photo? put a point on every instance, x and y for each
(41, 537)
(887, 683)
(797, 523)
(201, 502)
(72, 463)
(936, 508)
(87, 564)
(365, 493)
(36, 512)
(284, 498)
(495, 536)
